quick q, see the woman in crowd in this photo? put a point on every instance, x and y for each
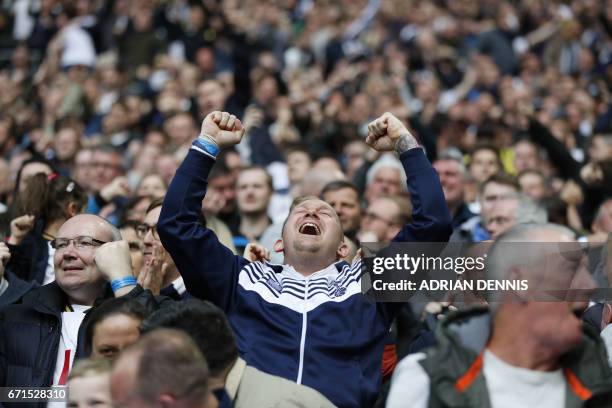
(46, 202)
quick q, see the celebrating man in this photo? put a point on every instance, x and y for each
(306, 320)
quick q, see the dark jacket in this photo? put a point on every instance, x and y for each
(470, 231)
(320, 331)
(454, 365)
(16, 290)
(30, 334)
(171, 293)
(593, 316)
(29, 259)
(462, 215)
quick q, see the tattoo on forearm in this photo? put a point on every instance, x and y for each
(406, 142)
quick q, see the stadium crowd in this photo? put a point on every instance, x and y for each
(184, 187)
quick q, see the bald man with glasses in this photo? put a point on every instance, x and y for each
(42, 336)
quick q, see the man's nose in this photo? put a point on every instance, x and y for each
(69, 252)
(148, 238)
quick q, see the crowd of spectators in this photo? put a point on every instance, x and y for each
(101, 100)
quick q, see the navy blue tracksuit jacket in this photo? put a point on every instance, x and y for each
(319, 330)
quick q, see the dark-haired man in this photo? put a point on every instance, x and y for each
(497, 188)
(344, 198)
(107, 183)
(453, 175)
(209, 328)
(254, 190)
(163, 369)
(159, 271)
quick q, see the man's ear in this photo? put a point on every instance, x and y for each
(279, 246)
(517, 274)
(343, 250)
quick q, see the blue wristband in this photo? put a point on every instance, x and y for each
(206, 146)
(117, 284)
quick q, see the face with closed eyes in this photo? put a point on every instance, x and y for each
(313, 229)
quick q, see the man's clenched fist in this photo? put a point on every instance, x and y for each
(388, 133)
(5, 255)
(113, 260)
(224, 129)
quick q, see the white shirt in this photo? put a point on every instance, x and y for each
(24, 23)
(508, 386)
(71, 321)
(511, 386)
(50, 270)
(606, 335)
(78, 47)
(179, 285)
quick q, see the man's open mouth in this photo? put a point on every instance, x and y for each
(309, 228)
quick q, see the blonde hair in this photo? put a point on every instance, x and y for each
(90, 367)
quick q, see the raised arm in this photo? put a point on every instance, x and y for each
(431, 220)
(209, 269)
(568, 167)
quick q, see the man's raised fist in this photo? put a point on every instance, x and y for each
(224, 129)
(388, 133)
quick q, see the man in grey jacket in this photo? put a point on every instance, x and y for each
(522, 351)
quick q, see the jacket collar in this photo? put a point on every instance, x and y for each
(49, 299)
(16, 290)
(289, 270)
(462, 215)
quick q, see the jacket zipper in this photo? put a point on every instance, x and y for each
(303, 339)
(51, 357)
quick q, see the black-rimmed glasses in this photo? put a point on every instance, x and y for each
(143, 229)
(81, 242)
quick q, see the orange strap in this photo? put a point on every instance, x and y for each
(464, 382)
(579, 389)
(467, 379)
(389, 361)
